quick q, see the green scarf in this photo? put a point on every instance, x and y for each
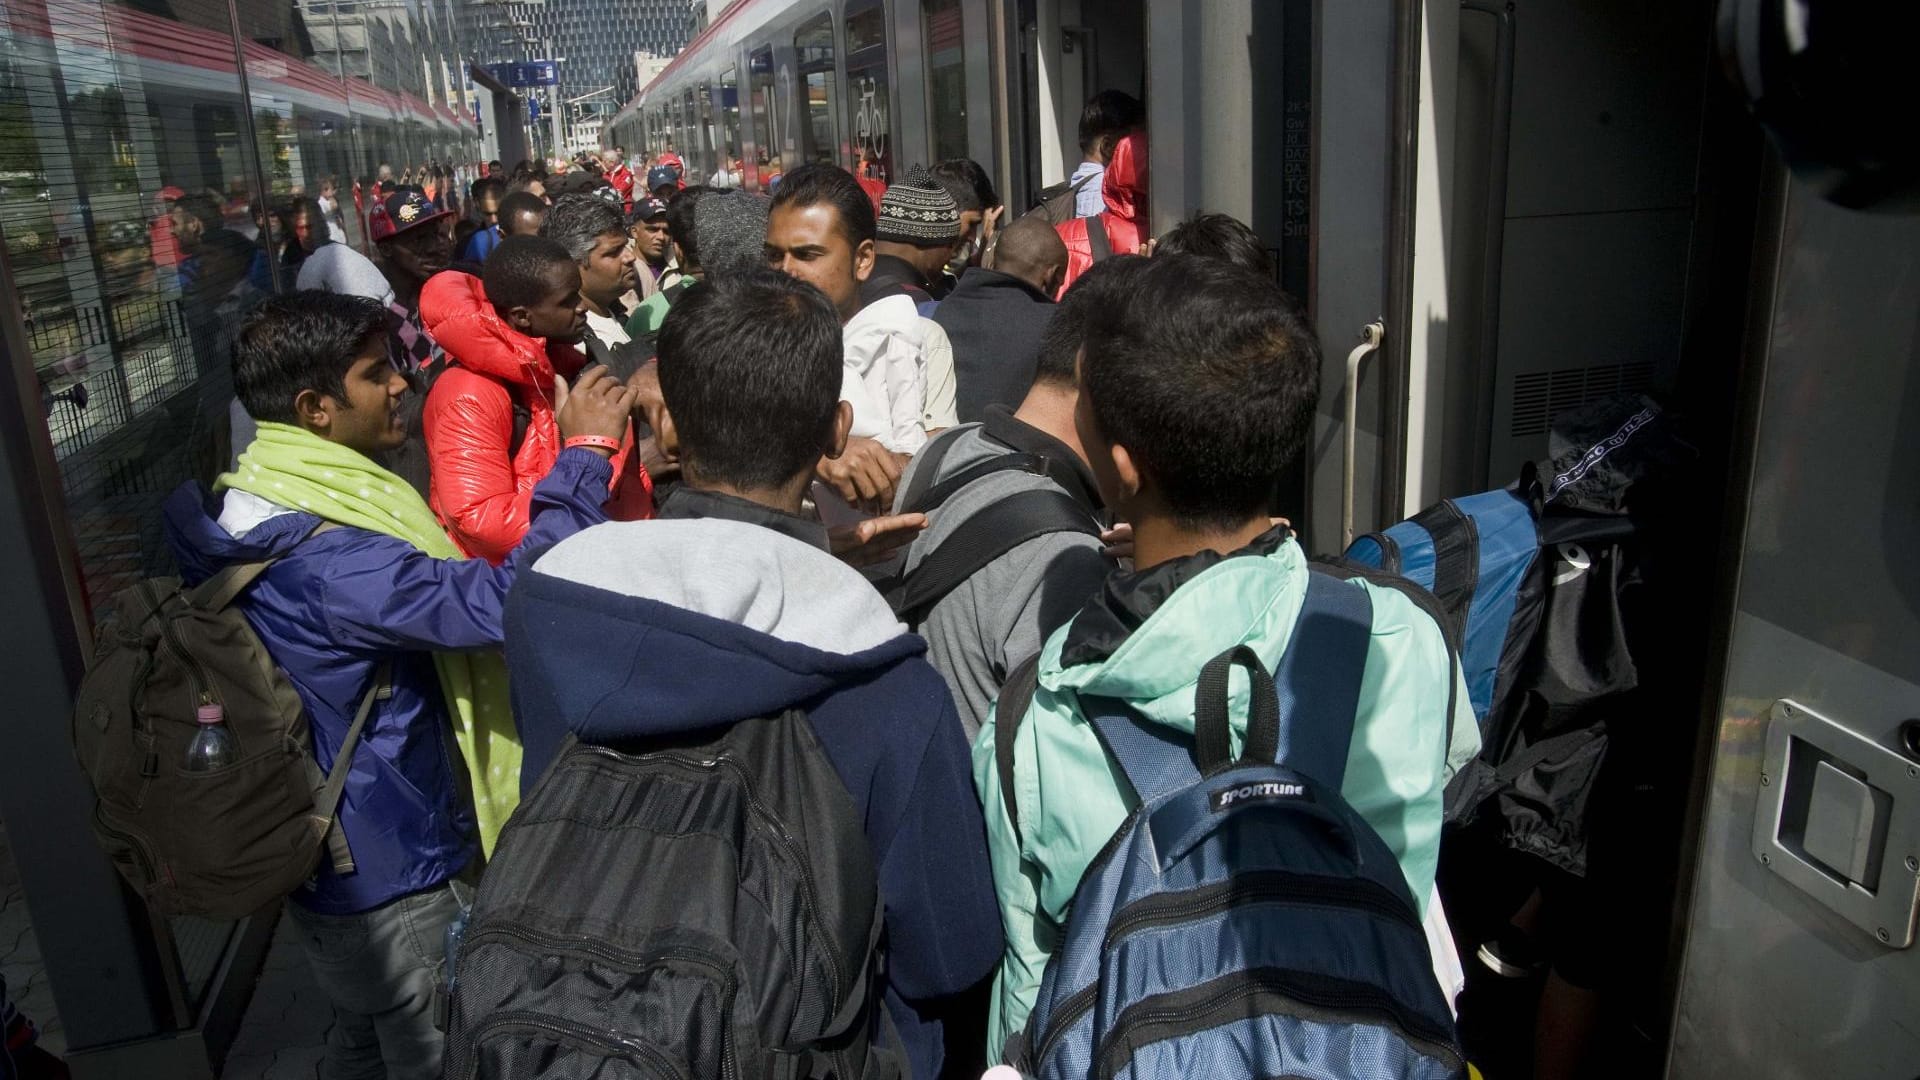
(295, 468)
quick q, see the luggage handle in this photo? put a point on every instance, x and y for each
(1212, 728)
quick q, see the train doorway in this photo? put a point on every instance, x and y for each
(1071, 50)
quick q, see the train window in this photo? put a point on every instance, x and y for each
(946, 78)
(766, 155)
(869, 109)
(729, 108)
(813, 46)
(699, 148)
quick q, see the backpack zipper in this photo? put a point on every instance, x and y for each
(1069, 1014)
(1325, 999)
(1260, 886)
(202, 685)
(549, 944)
(134, 843)
(808, 900)
(578, 1034)
(1255, 887)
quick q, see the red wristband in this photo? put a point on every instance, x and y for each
(599, 442)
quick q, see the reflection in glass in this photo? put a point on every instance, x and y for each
(765, 165)
(869, 109)
(144, 205)
(813, 47)
(729, 105)
(946, 77)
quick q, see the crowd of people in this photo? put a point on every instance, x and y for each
(688, 455)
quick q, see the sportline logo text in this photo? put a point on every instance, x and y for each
(1227, 798)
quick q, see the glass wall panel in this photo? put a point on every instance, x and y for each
(869, 106)
(127, 181)
(946, 78)
(813, 47)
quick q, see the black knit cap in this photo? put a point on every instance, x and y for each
(918, 211)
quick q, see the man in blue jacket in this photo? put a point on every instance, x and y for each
(314, 369)
(729, 607)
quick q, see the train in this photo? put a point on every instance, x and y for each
(1498, 211)
(880, 87)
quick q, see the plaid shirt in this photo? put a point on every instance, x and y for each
(415, 347)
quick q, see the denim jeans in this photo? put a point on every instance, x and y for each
(382, 969)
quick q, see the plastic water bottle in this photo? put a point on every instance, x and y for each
(213, 746)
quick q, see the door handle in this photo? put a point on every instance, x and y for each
(1370, 338)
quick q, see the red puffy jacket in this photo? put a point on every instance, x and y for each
(1125, 189)
(483, 497)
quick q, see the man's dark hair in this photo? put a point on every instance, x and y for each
(202, 206)
(1218, 236)
(1208, 376)
(577, 222)
(520, 271)
(300, 341)
(518, 203)
(817, 183)
(967, 182)
(1104, 284)
(750, 371)
(680, 213)
(1109, 114)
(484, 185)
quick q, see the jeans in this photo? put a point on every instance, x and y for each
(383, 969)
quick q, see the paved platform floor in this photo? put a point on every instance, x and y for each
(285, 1029)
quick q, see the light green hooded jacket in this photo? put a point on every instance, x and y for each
(1072, 799)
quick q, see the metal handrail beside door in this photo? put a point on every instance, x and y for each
(1371, 337)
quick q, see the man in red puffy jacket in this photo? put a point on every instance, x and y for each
(489, 419)
(1122, 227)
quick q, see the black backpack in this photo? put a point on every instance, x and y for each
(987, 535)
(1058, 202)
(704, 909)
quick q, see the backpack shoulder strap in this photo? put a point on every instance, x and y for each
(1097, 237)
(1319, 678)
(934, 496)
(928, 461)
(1422, 599)
(985, 537)
(1301, 716)
(326, 798)
(215, 593)
(1015, 698)
(1456, 556)
(522, 420)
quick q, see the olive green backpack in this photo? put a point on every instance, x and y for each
(219, 844)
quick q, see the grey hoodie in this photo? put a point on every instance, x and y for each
(1004, 613)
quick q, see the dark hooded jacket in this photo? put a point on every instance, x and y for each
(726, 610)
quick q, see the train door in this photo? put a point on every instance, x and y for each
(1800, 959)
(1074, 49)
